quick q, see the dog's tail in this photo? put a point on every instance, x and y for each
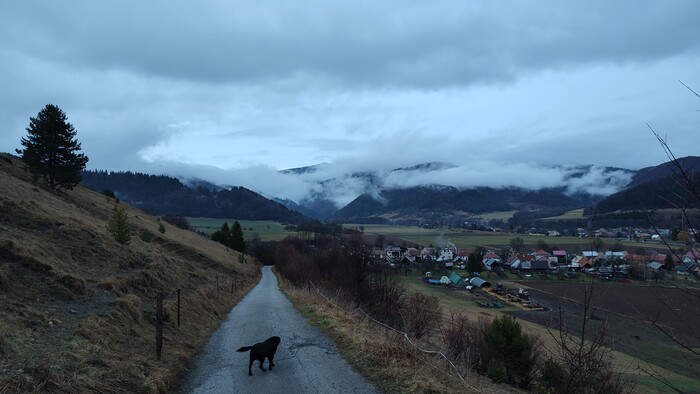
(244, 349)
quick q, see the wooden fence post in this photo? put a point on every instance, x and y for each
(178, 307)
(159, 324)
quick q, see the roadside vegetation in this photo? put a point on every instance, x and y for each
(494, 348)
(627, 348)
(77, 309)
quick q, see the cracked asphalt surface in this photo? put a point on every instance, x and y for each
(306, 360)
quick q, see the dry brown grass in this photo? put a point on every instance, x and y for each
(77, 308)
(383, 356)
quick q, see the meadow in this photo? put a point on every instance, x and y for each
(424, 237)
(266, 230)
(467, 239)
(570, 215)
(499, 215)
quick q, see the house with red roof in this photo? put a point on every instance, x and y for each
(492, 261)
(580, 262)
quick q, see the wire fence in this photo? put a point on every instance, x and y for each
(404, 335)
(160, 298)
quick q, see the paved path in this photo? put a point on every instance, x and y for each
(306, 360)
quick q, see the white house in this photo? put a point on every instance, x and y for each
(446, 254)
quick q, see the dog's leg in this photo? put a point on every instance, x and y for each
(272, 364)
(250, 373)
(262, 360)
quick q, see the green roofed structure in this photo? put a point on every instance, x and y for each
(456, 280)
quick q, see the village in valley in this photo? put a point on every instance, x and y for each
(658, 259)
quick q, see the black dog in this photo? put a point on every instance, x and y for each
(261, 351)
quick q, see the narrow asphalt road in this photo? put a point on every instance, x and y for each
(306, 360)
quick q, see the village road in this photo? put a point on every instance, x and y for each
(306, 360)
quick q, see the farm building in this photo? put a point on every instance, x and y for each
(492, 264)
(456, 280)
(492, 261)
(688, 267)
(379, 254)
(478, 282)
(536, 266)
(393, 252)
(580, 262)
(428, 253)
(407, 260)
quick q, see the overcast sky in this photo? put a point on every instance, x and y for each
(232, 91)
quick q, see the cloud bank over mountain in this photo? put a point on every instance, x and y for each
(342, 182)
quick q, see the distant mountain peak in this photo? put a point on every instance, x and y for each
(304, 170)
(430, 166)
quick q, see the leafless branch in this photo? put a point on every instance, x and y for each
(688, 87)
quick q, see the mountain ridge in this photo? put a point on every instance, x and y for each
(375, 198)
(162, 194)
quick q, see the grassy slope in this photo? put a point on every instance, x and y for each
(76, 307)
(382, 356)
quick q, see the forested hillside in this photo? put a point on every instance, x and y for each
(659, 194)
(159, 194)
(648, 174)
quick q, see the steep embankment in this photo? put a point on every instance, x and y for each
(77, 308)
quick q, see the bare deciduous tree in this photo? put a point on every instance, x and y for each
(583, 363)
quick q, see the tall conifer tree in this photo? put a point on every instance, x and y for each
(237, 240)
(51, 150)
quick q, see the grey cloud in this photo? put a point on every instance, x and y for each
(503, 90)
(358, 44)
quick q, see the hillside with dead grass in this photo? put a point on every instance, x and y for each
(77, 309)
(384, 356)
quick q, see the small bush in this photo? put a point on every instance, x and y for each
(464, 339)
(161, 228)
(507, 344)
(146, 235)
(423, 314)
(177, 221)
(553, 376)
(384, 297)
(118, 226)
(109, 193)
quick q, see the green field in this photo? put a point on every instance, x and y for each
(501, 215)
(264, 229)
(464, 238)
(452, 298)
(467, 239)
(571, 215)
